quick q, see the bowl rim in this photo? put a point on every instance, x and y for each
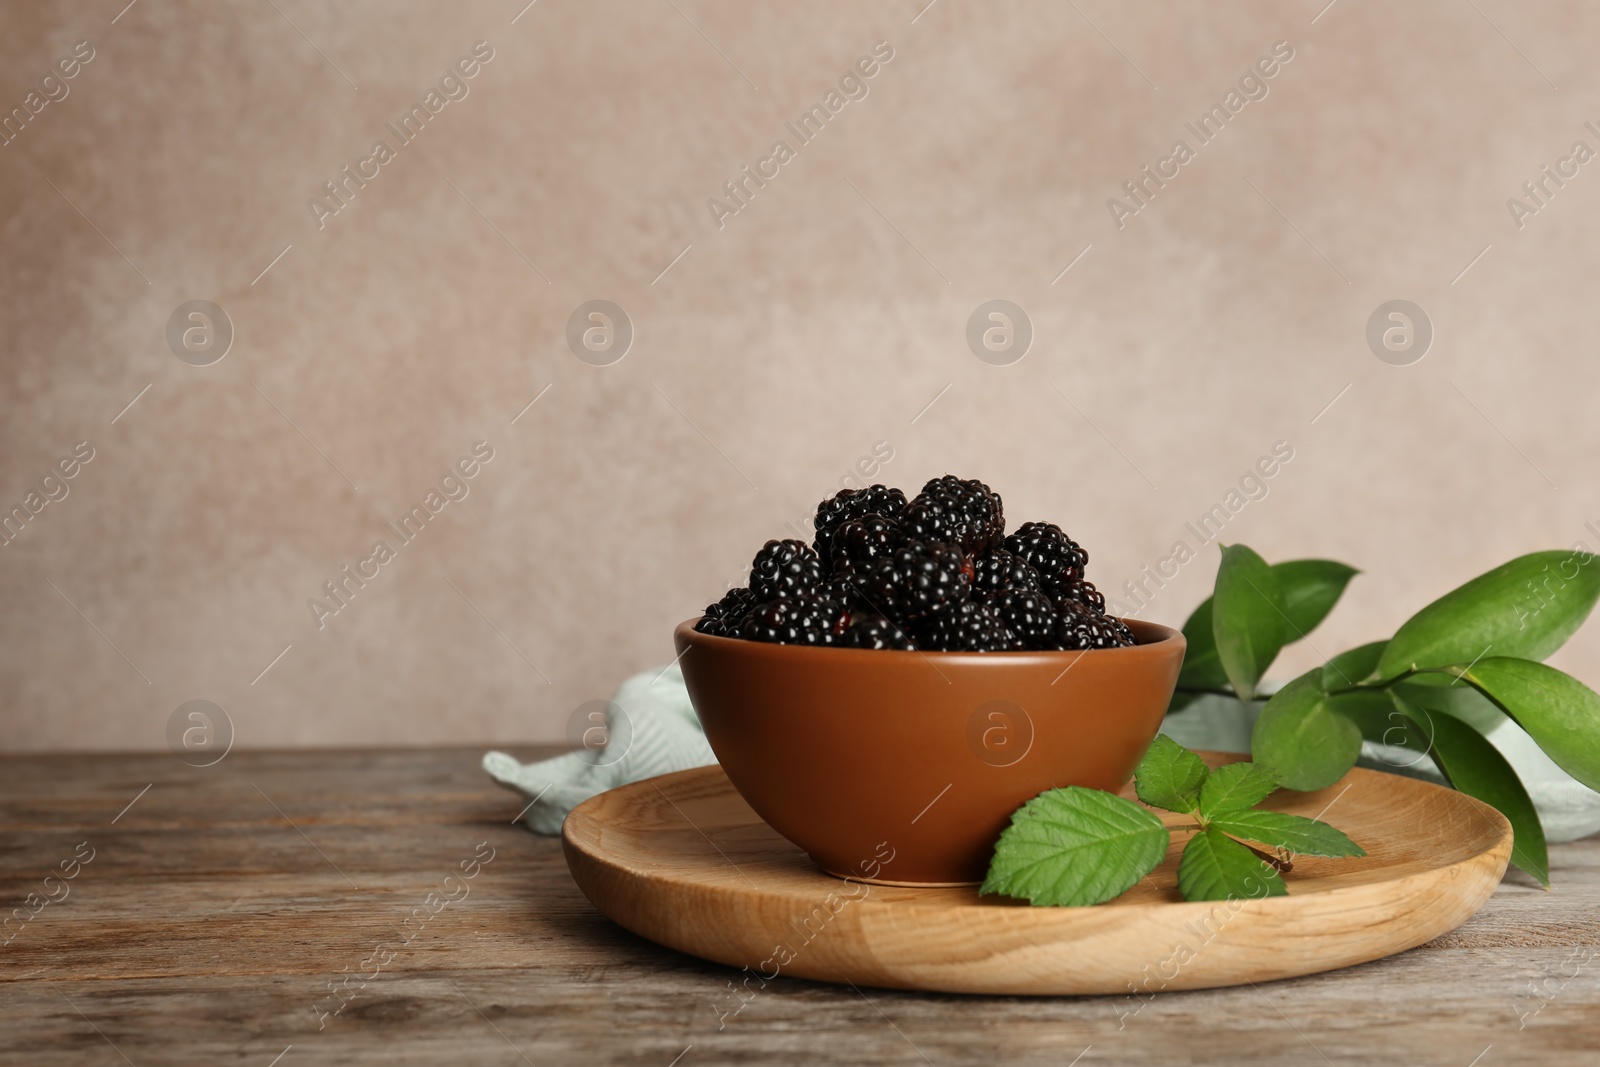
(1162, 638)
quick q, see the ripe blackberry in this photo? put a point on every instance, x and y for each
(936, 518)
(1058, 558)
(849, 504)
(793, 621)
(1078, 627)
(858, 542)
(722, 619)
(980, 505)
(1028, 614)
(1083, 591)
(784, 569)
(969, 626)
(1124, 634)
(997, 570)
(866, 630)
(915, 581)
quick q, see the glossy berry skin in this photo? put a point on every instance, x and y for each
(1028, 614)
(1058, 558)
(866, 630)
(1083, 591)
(915, 581)
(722, 619)
(858, 542)
(938, 519)
(784, 569)
(1078, 627)
(980, 507)
(849, 504)
(793, 621)
(998, 570)
(970, 626)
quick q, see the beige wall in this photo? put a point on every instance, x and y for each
(817, 321)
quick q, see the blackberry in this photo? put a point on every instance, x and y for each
(1058, 558)
(858, 542)
(849, 504)
(936, 518)
(1078, 627)
(793, 621)
(874, 631)
(979, 505)
(915, 581)
(722, 619)
(970, 626)
(997, 570)
(1028, 614)
(784, 569)
(1083, 591)
(1121, 630)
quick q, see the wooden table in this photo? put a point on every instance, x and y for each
(220, 908)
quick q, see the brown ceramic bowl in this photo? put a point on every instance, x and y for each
(903, 767)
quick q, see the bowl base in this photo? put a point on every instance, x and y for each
(891, 881)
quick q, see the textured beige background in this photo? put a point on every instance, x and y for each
(821, 319)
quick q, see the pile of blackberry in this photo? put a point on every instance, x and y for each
(937, 573)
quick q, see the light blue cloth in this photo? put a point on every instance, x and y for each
(652, 729)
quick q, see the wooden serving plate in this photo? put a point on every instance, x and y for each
(682, 860)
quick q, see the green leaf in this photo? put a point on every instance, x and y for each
(1216, 867)
(1356, 665)
(1201, 667)
(1559, 712)
(1247, 618)
(1446, 693)
(1236, 787)
(1526, 608)
(1169, 776)
(1306, 837)
(1373, 713)
(1302, 738)
(1475, 767)
(1311, 587)
(1075, 846)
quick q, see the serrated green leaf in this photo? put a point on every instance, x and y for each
(1302, 836)
(1237, 787)
(1169, 776)
(1475, 767)
(1075, 846)
(1311, 587)
(1201, 667)
(1215, 867)
(1302, 738)
(1247, 618)
(1356, 665)
(1525, 609)
(1559, 712)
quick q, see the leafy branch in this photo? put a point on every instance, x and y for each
(1407, 691)
(1077, 846)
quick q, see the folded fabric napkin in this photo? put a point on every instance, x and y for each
(652, 729)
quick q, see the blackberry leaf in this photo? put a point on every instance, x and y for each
(1169, 776)
(1236, 787)
(1075, 846)
(1216, 867)
(1307, 837)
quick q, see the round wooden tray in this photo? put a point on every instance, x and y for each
(682, 860)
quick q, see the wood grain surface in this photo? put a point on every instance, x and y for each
(758, 902)
(218, 909)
